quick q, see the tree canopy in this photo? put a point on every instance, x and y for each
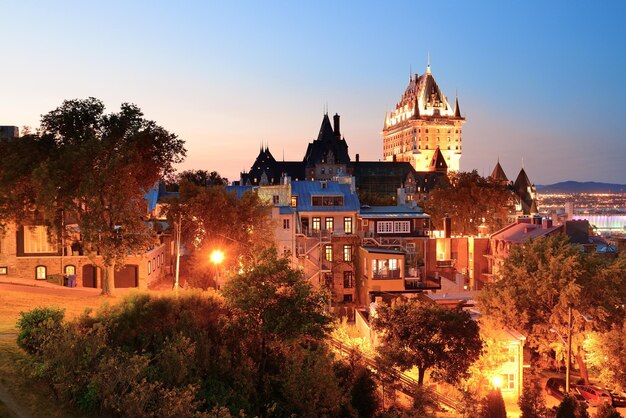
(541, 279)
(93, 169)
(423, 334)
(467, 198)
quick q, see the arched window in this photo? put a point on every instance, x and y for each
(41, 272)
(70, 269)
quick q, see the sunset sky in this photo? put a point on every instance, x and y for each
(539, 82)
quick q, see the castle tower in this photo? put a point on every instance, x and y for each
(422, 122)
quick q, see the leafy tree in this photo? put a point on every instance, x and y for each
(212, 218)
(468, 198)
(275, 307)
(94, 169)
(571, 408)
(532, 403)
(607, 355)
(541, 279)
(197, 177)
(493, 406)
(423, 334)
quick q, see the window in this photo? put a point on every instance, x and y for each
(149, 267)
(508, 381)
(41, 273)
(330, 224)
(402, 226)
(347, 298)
(158, 261)
(70, 269)
(275, 199)
(384, 227)
(348, 282)
(294, 201)
(347, 252)
(328, 252)
(327, 200)
(317, 224)
(347, 225)
(285, 223)
(36, 240)
(4, 271)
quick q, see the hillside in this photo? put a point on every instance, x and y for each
(581, 187)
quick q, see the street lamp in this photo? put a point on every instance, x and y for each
(217, 257)
(569, 343)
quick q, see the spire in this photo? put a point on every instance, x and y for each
(410, 72)
(457, 109)
(428, 66)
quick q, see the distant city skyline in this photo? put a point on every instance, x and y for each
(539, 82)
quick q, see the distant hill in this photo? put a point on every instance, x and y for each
(581, 187)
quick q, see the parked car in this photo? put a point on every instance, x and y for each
(555, 386)
(594, 395)
(619, 399)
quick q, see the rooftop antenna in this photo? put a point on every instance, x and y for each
(283, 154)
(410, 72)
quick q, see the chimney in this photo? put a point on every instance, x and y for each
(336, 126)
(536, 220)
(546, 223)
(523, 219)
(357, 158)
(394, 158)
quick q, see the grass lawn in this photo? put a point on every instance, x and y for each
(28, 393)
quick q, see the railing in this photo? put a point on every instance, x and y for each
(446, 263)
(416, 283)
(387, 274)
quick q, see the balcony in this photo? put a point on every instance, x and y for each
(387, 274)
(446, 263)
(418, 283)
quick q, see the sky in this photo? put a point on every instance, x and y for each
(542, 84)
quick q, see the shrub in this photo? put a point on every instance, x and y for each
(38, 327)
(606, 411)
(493, 405)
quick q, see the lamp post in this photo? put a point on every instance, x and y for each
(217, 257)
(178, 234)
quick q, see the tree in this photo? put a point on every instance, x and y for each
(423, 334)
(213, 218)
(571, 408)
(607, 355)
(94, 169)
(274, 307)
(606, 410)
(541, 279)
(493, 406)
(468, 198)
(532, 403)
(198, 177)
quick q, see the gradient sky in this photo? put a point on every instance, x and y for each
(540, 82)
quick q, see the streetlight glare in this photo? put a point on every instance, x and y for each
(217, 256)
(497, 382)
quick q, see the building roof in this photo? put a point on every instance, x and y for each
(306, 189)
(396, 212)
(267, 170)
(521, 232)
(327, 148)
(498, 173)
(239, 190)
(377, 250)
(385, 177)
(525, 191)
(438, 163)
(286, 210)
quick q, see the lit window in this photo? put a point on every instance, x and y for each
(347, 252)
(41, 273)
(36, 240)
(402, 226)
(158, 261)
(285, 223)
(317, 224)
(328, 253)
(70, 269)
(347, 225)
(294, 201)
(149, 267)
(330, 224)
(4, 271)
(508, 381)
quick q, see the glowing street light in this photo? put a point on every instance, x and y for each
(217, 257)
(496, 381)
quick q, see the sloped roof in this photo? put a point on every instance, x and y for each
(438, 163)
(326, 146)
(498, 173)
(457, 109)
(306, 189)
(523, 189)
(521, 232)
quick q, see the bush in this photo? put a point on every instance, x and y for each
(571, 408)
(606, 411)
(532, 403)
(38, 327)
(493, 405)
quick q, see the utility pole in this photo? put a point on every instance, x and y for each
(569, 348)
